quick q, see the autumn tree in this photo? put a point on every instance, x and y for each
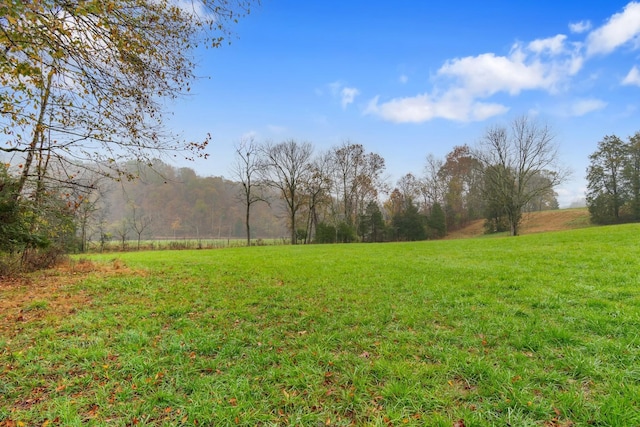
(14, 224)
(318, 192)
(83, 84)
(287, 170)
(84, 80)
(358, 179)
(432, 186)
(511, 158)
(461, 178)
(410, 187)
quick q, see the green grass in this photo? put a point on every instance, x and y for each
(538, 330)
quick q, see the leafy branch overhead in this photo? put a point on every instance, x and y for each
(85, 81)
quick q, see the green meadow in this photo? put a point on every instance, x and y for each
(536, 330)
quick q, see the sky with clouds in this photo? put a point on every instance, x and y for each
(407, 79)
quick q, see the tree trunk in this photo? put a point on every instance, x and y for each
(38, 133)
(248, 227)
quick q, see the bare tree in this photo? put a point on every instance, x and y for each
(121, 229)
(432, 189)
(246, 170)
(357, 179)
(318, 191)
(409, 186)
(287, 169)
(512, 158)
(139, 221)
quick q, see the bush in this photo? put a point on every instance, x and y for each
(325, 233)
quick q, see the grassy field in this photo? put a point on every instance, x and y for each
(538, 330)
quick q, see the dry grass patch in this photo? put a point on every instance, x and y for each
(49, 293)
(534, 222)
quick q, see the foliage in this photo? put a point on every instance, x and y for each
(539, 330)
(436, 222)
(14, 227)
(325, 233)
(83, 81)
(371, 227)
(462, 177)
(82, 88)
(33, 234)
(409, 224)
(613, 180)
(357, 179)
(346, 233)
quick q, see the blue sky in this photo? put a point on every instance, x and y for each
(411, 78)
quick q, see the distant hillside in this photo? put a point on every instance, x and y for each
(535, 222)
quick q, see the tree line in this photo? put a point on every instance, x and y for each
(341, 195)
(289, 190)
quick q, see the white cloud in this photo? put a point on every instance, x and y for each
(463, 84)
(580, 27)
(585, 106)
(421, 108)
(347, 95)
(463, 87)
(488, 74)
(552, 45)
(403, 79)
(633, 78)
(621, 28)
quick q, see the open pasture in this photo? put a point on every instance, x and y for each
(538, 330)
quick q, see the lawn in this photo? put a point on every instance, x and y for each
(538, 330)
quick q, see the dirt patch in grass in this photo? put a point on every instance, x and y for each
(48, 293)
(534, 222)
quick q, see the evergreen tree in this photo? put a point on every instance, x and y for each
(437, 222)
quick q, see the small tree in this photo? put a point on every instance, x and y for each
(121, 230)
(409, 224)
(371, 227)
(436, 222)
(139, 221)
(246, 170)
